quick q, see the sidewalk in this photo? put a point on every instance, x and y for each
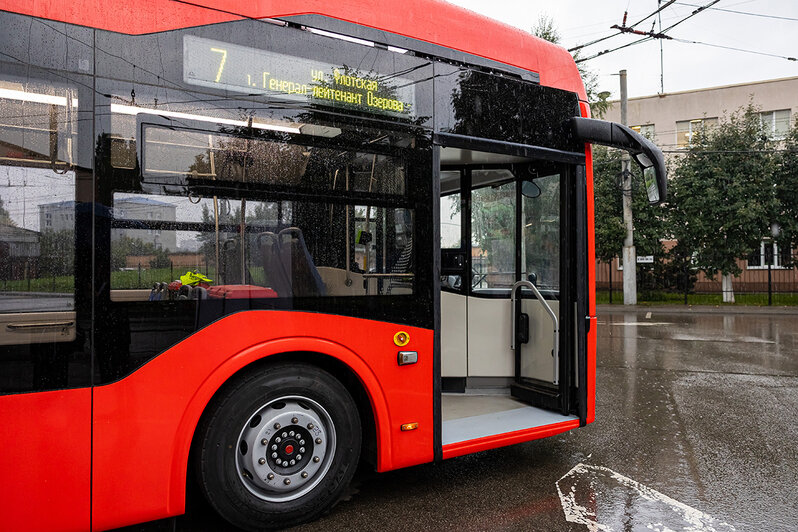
(697, 309)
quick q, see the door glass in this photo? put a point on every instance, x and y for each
(541, 236)
(493, 237)
(450, 210)
(450, 222)
(540, 263)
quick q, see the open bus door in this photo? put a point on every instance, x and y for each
(509, 269)
(514, 291)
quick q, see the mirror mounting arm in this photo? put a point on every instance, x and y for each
(616, 135)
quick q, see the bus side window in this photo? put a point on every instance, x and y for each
(300, 245)
(278, 249)
(38, 133)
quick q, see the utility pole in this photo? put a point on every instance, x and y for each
(661, 57)
(629, 254)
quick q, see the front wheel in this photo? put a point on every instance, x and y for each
(279, 447)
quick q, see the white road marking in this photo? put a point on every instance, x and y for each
(606, 501)
(648, 315)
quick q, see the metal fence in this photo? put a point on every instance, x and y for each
(764, 285)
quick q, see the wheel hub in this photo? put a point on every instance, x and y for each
(290, 449)
(285, 448)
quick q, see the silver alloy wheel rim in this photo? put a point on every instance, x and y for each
(266, 439)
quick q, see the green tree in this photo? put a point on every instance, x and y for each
(722, 194)
(599, 100)
(125, 247)
(160, 258)
(608, 210)
(786, 189)
(650, 222)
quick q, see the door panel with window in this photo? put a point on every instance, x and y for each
(510, 213)
(493, 244)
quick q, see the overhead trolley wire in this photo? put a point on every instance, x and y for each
(659, 10)
(776, 17)
(613, 49)
(691, 15)
(688, 41)
(579, 47)
(661, 35)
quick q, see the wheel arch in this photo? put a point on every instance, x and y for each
(336, 359)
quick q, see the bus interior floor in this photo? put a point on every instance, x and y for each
(470, 416)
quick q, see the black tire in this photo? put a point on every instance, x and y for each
(244, 482)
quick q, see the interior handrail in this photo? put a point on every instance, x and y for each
(552, 315)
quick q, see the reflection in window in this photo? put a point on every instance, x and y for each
(192, 154)
(37, 191)
(37, 125)
(247, 248)
(451, 224)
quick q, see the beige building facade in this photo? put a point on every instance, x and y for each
(671, 118)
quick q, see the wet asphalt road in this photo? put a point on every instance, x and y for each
(699, 407)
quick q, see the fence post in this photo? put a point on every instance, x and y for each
(686, 282)
(139, 283)
(770, 285)
(610, 267)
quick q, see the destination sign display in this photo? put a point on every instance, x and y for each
(246, 70)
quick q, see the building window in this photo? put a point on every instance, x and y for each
(776, 123)
(769, 253)
(685, 130)
(647, 130)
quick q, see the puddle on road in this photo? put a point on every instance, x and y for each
(602, 499)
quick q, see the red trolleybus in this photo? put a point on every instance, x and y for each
(253, 243)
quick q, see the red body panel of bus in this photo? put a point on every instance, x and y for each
(143, 424)
(45, 462)
(591, 278)
(463, 30)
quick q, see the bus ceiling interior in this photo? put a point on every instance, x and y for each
(476, 402)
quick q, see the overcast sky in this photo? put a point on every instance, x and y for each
(686, 66)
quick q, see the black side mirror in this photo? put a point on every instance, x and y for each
(647, 155)
(533, 278)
